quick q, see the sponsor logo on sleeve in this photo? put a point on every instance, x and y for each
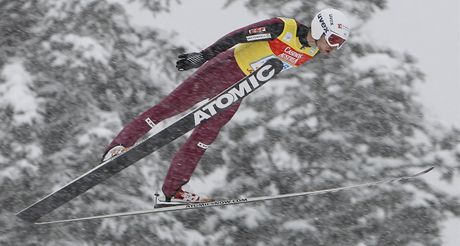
(257, 30)
(259, 37)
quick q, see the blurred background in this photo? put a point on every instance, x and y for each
(73, 72)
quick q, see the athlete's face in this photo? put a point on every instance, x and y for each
(322, 44)
(324, 47)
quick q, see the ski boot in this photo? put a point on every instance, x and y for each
(117, 150)
(181, 197)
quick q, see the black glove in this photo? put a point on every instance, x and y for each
(190, 60)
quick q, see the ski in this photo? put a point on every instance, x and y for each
(237, 201)
(183, 125)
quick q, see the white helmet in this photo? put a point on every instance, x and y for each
(333, 24)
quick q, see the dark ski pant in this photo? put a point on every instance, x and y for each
(209, 80)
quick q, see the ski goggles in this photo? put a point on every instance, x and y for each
(334, 40)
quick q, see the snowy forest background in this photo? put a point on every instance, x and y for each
(73, 72)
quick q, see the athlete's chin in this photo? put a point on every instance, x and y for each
(323, 50)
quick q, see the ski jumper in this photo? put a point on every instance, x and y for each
(278, 37)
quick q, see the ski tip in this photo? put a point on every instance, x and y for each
(425, 171)
(429, 169)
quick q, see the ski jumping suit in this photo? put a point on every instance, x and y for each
(281, 37)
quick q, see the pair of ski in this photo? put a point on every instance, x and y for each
(196, 117)
(188, 206)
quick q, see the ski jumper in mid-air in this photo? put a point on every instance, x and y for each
(220, 66)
